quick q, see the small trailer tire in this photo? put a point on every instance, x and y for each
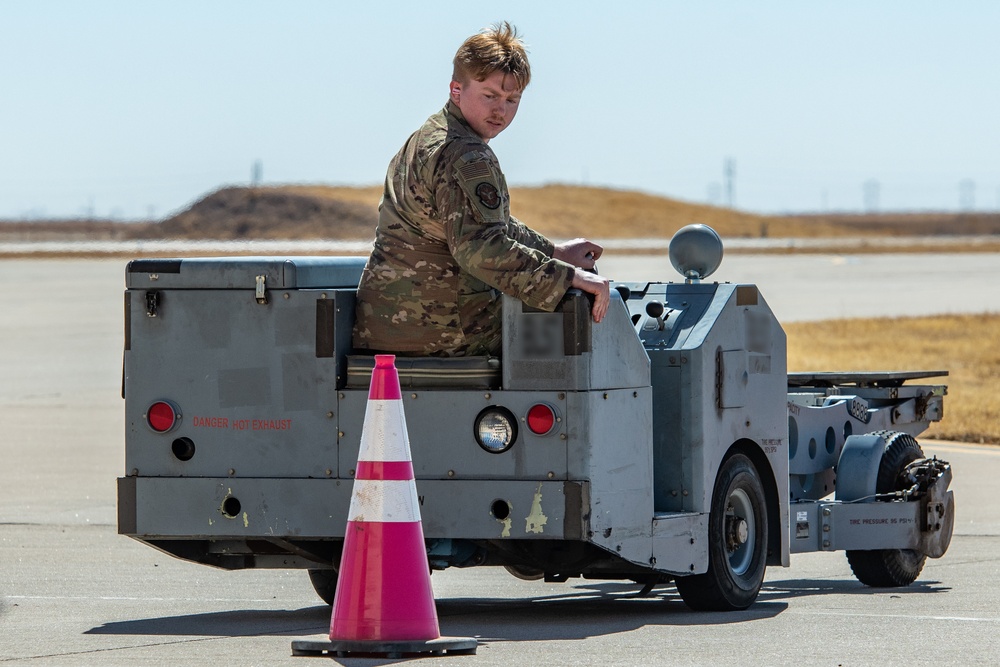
(525, 573)
(890, 568)
(324, 582)
(737, 534)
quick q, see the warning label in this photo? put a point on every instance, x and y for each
(210, 422)
(881, 522)
(242, 424)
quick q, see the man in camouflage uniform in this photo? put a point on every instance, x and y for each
(446, 244)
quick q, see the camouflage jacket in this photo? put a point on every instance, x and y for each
(446, 246)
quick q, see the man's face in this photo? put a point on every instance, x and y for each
(489, 106)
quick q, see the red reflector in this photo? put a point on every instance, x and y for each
(161, 416)
(541, 419)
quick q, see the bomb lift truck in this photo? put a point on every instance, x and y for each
(666, 443)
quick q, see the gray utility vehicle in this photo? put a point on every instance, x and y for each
(666, 443)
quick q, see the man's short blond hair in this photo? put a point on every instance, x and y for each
(496, 49)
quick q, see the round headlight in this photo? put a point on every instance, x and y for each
(496, 429)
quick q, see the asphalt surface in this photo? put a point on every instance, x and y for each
(73, 592)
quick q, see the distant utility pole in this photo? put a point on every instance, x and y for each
(966, 194)
(714, 194)
(256, 173)
(729, 169)
(871, 189)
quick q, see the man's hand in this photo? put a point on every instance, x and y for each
(579, 252)
(599, 287)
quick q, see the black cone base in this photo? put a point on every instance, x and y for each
(387, 649)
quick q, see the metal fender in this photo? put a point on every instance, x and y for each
(857, 468)
(938, 521)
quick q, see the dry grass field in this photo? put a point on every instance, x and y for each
(558, 211)
(565, 211)
(964, 345)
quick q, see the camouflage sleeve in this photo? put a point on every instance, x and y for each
(483, 243)
(525, 235)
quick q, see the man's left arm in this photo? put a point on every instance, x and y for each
(525, 235)
(488, 245)
(485, 242)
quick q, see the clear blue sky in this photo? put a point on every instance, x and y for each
(136, 109)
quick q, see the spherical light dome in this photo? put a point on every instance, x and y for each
(696, 251)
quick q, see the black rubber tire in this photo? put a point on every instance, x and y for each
(524, 573)
(734, 576)
(890, 568)
(324, 582)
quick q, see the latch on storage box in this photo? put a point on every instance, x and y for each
(152, 303)
(261, 293)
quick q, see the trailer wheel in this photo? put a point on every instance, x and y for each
(737, 550)
(324, 582)
(890, 568)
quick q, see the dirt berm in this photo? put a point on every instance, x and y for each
(269, 213)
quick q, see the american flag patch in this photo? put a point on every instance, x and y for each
(474, 170)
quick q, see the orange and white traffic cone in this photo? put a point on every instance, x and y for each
(384, 603)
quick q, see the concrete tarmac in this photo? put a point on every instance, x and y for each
(803, 287)
(73, 592)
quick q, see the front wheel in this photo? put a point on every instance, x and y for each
(737, 550)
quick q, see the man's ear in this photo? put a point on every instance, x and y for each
(455, 91)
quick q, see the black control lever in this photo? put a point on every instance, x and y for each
(655, 309)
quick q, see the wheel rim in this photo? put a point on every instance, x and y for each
(740, 531)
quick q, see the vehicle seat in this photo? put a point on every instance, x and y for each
(429, 372)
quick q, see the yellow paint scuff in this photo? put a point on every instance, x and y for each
(536, 519)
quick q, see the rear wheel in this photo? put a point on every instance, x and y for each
(890, 568)
(737, 550)
(324, 582)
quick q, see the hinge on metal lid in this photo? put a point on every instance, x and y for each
(260, 293)
(718, 378)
